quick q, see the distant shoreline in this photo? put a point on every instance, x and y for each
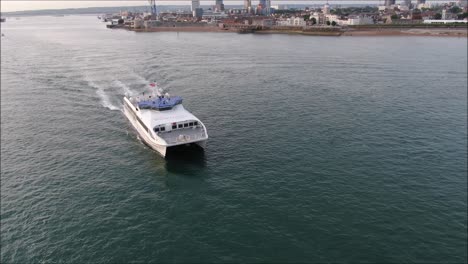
(388, 31)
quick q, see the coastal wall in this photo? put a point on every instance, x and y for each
(407, 31)
(363, 30)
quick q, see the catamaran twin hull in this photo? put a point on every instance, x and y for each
(163, 123)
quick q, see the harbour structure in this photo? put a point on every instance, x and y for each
(219, 6)
(326, 9)
(421, 2)
(440, 21)
(198, 13)
(264, 7)
(154, 11)
(267, 7)
(248, 5)
(162, 122)
(195, 5)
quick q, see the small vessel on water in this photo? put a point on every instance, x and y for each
(162, 121)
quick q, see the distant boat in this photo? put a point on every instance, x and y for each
(162, 122)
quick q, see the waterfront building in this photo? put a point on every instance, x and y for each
(267, 10)
(247, 4)
(326, 9)
(219, 6)
(299, 21)
(280, 7)
(360, 20)
(138, 23)
(433, 21)
(404, 7)
(424, 5)
(209, 14)
(421, 2)
(195, 5)
(408, 3)
(444, 14)
(292, 21)
(198, 12)
(261, 21)
(356, 20)
(319, 18)
(389, 3)
(331, 18)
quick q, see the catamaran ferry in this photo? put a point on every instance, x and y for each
(163, 122)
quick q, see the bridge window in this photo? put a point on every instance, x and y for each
(156, 129)
(186, 125)
(174, 126)
(191, 124)
(181, 125)
(163, 129)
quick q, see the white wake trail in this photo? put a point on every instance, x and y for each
(125, 88)
(140, 78)
(105, 101)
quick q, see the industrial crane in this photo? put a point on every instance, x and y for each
(153, 7)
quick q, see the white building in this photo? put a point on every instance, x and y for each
(319, 18)
(331, 18)
(360, 20)
(279, 7)
(214, 15)
(424, 5)
(444, 14)
(403, 7)
(299, 21)
(292, 21)
(326, 9)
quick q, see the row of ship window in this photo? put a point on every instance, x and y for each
(176, 126)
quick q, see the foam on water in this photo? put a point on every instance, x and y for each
(140, 79)
(105, 100)
(125, 88)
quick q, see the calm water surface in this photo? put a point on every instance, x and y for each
(321, 149)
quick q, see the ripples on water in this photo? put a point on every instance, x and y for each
(321, 149)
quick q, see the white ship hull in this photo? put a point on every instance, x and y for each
(153, 140)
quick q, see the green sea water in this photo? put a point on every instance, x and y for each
(321, 149)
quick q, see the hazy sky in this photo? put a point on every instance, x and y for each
(18, 5)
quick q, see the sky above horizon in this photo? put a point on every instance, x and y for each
(19, 5)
